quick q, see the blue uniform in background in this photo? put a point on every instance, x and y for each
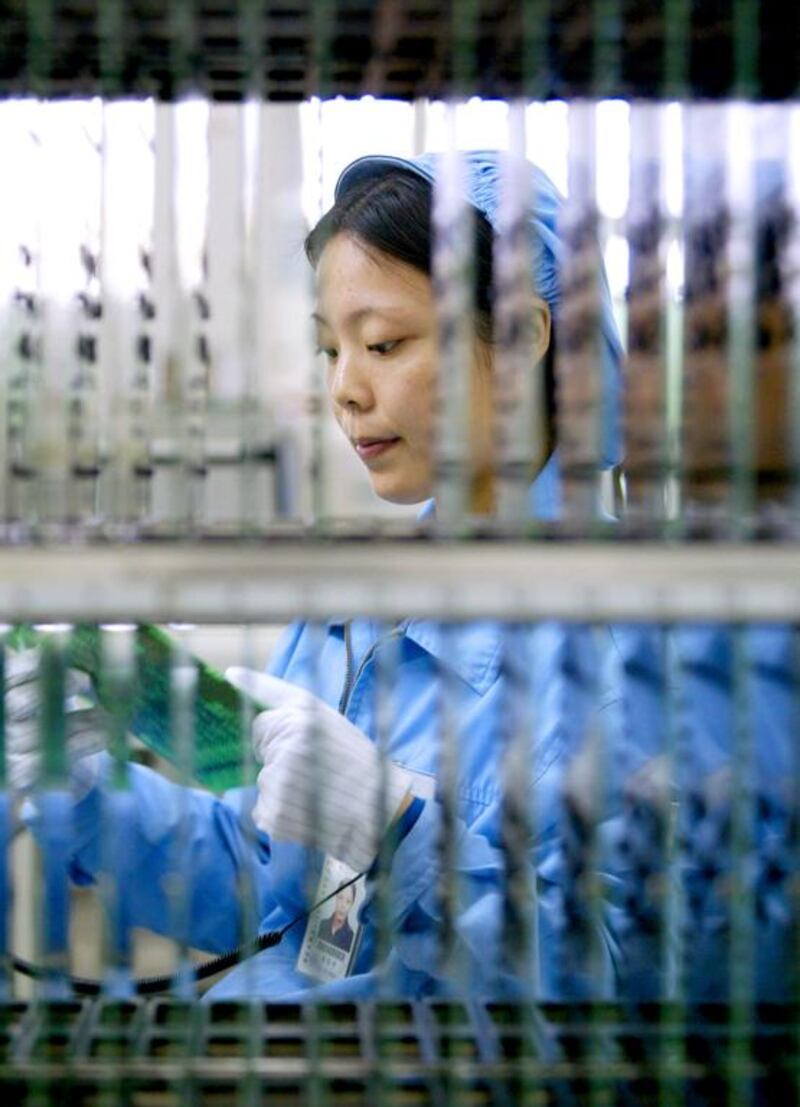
(671, 727)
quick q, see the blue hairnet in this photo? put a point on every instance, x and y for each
(484, 174)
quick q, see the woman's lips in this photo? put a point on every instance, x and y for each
(369, 448)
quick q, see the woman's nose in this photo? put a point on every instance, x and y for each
(350, 385)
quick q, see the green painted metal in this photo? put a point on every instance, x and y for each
(219, 707)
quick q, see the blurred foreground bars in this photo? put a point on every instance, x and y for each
(397, 1054)
(157, 468)
(707, 48)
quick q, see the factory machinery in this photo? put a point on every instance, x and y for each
(164, 459)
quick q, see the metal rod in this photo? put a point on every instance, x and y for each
(281, 580)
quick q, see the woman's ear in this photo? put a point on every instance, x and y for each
(540, 314)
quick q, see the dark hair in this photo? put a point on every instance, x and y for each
(392, 213)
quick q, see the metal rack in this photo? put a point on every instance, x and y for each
(723, 561)
(352, 1055)
(294, 49)
(282, 579)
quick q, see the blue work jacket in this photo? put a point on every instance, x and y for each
(635, 739)
(445, 681)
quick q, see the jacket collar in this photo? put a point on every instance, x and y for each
(472, 650)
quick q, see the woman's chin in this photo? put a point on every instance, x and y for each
(396, 492)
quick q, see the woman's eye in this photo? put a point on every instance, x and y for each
(328, 351)
(384, 347)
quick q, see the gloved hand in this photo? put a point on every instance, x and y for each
(86, 723)
(301, 741)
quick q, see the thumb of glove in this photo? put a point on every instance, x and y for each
(268, 691)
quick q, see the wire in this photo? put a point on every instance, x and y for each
(152, 985)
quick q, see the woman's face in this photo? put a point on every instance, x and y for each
(377, 326)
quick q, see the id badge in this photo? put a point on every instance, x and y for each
(332, 932)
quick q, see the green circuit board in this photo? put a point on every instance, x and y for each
(217, 712)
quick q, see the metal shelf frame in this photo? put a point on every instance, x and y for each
(279, 580)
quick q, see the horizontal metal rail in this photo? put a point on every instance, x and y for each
(279, 580)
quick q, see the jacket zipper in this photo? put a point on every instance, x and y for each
(350, 678)
(348, 672)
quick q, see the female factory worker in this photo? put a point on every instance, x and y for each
(377, 328)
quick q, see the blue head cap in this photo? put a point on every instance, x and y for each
(483, 180)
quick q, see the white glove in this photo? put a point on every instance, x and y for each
(86, 723)
(313, 757)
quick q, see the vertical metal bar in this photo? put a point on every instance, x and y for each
(674, 523)
(452, 277)
(197, 353)
(793, 821)
(580, 973)
(58, 254)
(317, 1086)
(111, 47)
(386, 663)
(24, 338)
(166, 290)
(118, 679)
(520, 954)
(323, 19)
(225, 289)
(741, 897)
(83, 384)
(536, 72)
(746, 38)
(672, 1028)
(706, 443)
(451, 968)
(128, 309)
(249, 1019)
(182, 348)
(519, 385)
(251, 49)
(183, 31)
(774, 231)
(536, 85)
(40, 44)
(6, 889)
(741, 325)
(279, 285)
(579, 360)
(646, 428)
(183, 693)
(520, 945)
(606, 47)
(247, 350)
(316, 381)
(793, 292)
(247, 345)
(676, 22)
(447, 789)
(55, 813)
(601, 740)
